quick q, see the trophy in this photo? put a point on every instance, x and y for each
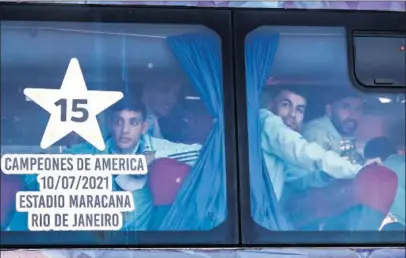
(348, 149)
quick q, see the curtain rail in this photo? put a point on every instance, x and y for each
(85, 31)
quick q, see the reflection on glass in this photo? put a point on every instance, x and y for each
(315, 132)
(170, 76)
(196, 252)
(341, 5)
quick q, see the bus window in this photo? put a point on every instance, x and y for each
(111, 127)
(324, 156)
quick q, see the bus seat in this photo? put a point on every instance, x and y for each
(376, 186)
(166, 177)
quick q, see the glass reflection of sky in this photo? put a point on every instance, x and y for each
(340, 5)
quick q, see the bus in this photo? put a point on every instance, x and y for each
(203, 129)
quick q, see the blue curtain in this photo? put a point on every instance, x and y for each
(260, 49)
(201, 203)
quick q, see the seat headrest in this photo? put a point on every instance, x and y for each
(166, 177)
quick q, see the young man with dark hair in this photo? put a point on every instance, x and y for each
(128, 127)
(289, 103)
(286, 152)
(129, 136)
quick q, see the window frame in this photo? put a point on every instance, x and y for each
(245, 21)
(366, 34)
(219, 21)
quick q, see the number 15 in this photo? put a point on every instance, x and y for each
(77, 107)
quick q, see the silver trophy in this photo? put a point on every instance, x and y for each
(348, 149)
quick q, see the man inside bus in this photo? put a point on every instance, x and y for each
(283, 110)
(128, 136)
(129, 127)
(288, 154)
(161, 98)
(343, 113)
(171, 116)
(342, 116)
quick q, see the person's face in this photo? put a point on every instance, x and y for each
(345, 114)
(290, 107)
(127, 128)
(161, 98)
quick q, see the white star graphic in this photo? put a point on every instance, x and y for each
(73, 108)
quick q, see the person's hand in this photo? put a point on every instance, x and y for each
(346, 158)
(376, 161)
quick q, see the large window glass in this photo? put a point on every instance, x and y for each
(324, 155)
(111, 127)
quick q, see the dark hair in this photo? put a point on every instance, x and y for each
(131, 104)
(342, 93)
(298, 90)
(271, 92)
(379, 147)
